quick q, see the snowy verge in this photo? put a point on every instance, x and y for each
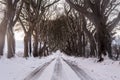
(106, 70)
(18, 68)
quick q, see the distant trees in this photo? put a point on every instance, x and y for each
(70, 34)
(116, 51)
(77, 39)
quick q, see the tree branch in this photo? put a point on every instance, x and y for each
(18, 13)
(22, 25)
(113, 23)
(52, 3)
(83, 10)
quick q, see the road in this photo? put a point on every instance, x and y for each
(58, 69)
(37, 72)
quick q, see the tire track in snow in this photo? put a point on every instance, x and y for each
(57, 75)
(80, 72)
(37, 72)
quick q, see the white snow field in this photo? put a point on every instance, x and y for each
(19, 68)
(106, 70)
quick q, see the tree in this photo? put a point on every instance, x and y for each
(12, 11)
(32, 13)
(98, 12)
(3, 28)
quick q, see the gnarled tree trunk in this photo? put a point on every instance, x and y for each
(35, 46)
(3, 27)
(11, 44)
(26, 46)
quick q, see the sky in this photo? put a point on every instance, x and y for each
(19, 35)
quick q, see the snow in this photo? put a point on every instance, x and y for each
(107, 70)
(66, 73)
(19, 48)
(19, 68)
(70, 74)
(47, 74)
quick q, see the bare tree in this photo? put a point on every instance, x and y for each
(12, 11)
(3, 28)
(32, 13)
(98, 12)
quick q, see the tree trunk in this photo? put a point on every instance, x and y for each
(11, 43)
(3, 28)
(29, 44)
(92, 42)
(108, 46)
(83, 45)
(79, 47)
(2, 42)
(104, 42)
(35, 46)
(101, 42)
(26, 46)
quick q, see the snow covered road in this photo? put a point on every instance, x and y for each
(58, 69)
(80, 72)
(37, 72)
(65, 68)
(57, 74)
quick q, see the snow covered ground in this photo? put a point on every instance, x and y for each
(19, 68)
(58, 70)
(107, 70)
